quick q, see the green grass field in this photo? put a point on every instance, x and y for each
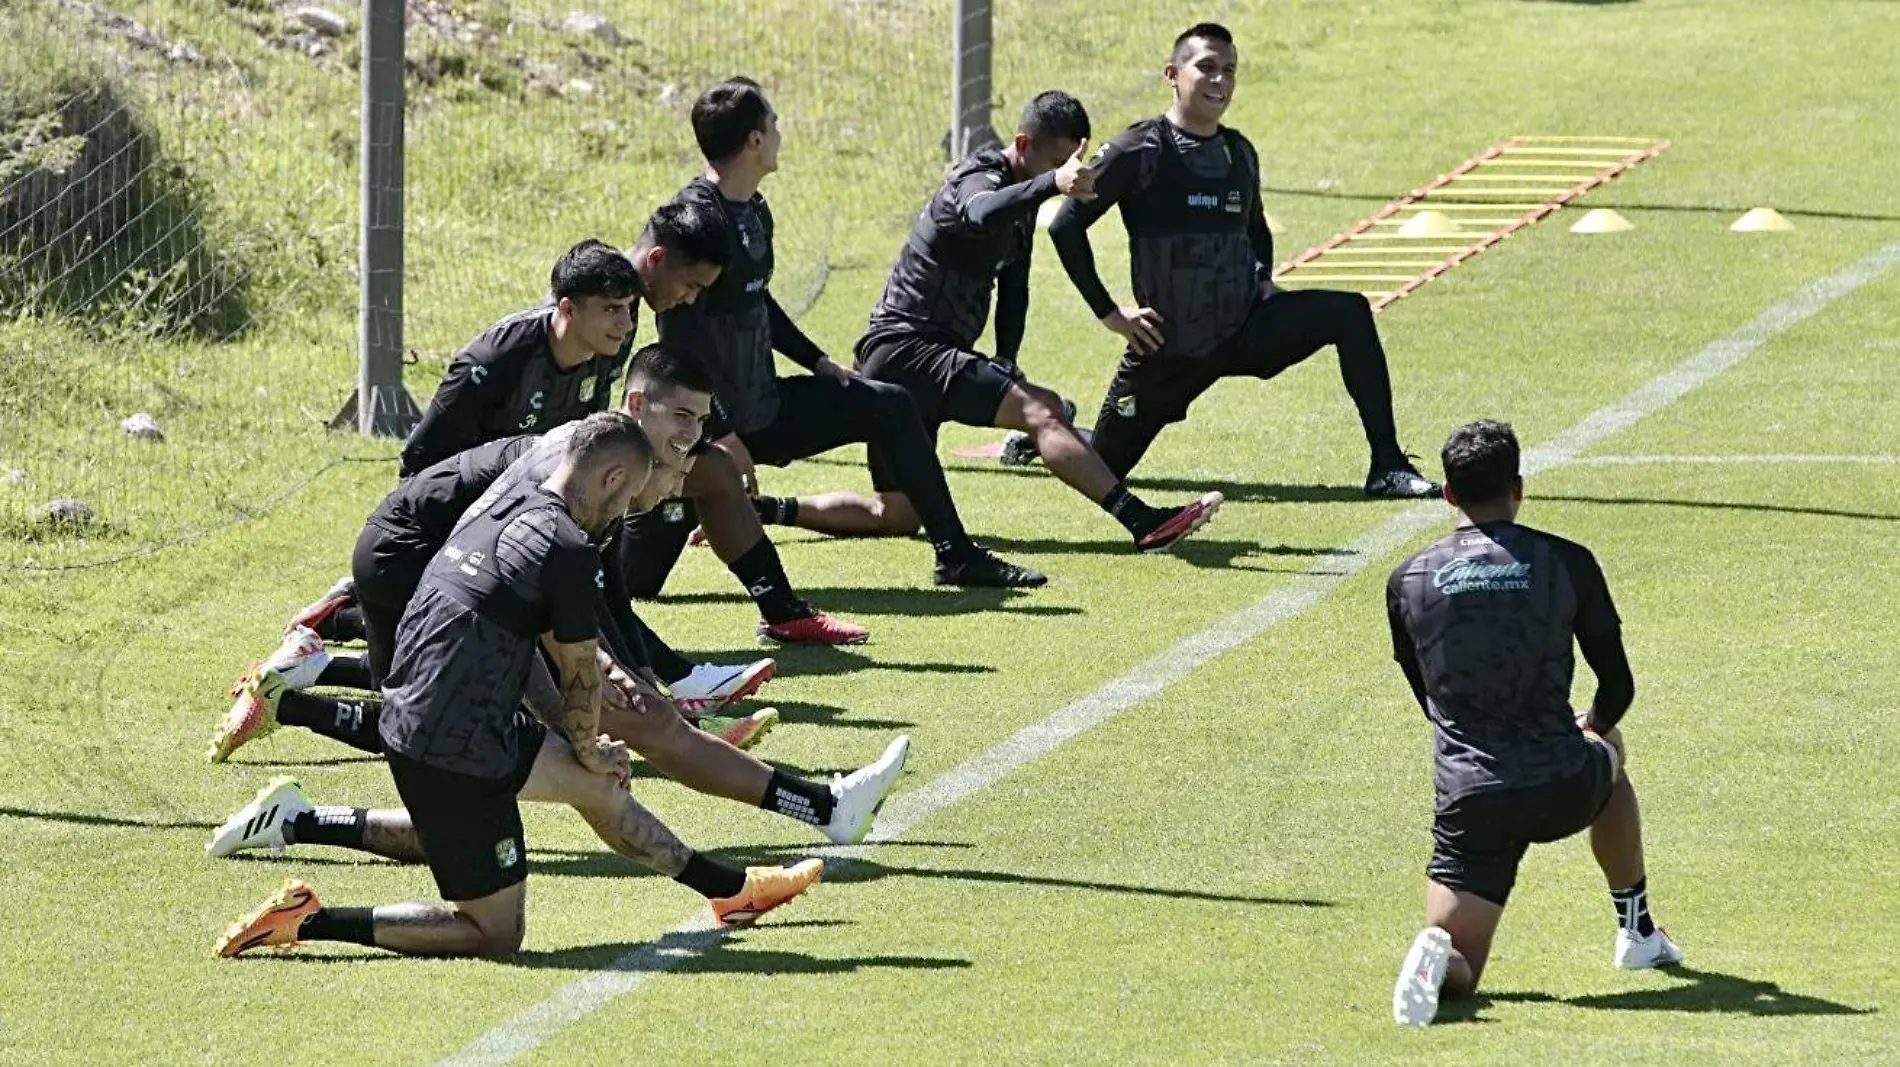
(1228, 871)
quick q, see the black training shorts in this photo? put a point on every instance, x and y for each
(469, 827)
(1478, 839)
(949, 384)
(387, 567)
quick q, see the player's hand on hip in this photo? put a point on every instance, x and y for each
(829, 368)
(1074, 178)
(1140, 327)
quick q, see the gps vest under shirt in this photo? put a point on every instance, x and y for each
(1191, 259)
(738, 326)
(943, 280)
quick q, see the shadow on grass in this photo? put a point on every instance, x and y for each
(87, 818)
(315, 761)
(818, 661)
(847, 601)
(1723, 505)
(803, 711)
(684, 951)
(1234, 491)
(839, 871)
(707, 952)
(1700, 992)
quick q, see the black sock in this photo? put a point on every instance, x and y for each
(1135, 515)
(1632, 908)
(356, 723)
(354, 925)
(777, 510)
(347, 672)
(1387, 455)
(712, 880)
(764, 578)
(344, 624)
(798, 798)
(328, 825)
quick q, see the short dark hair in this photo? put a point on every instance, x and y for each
(606, 435)
(1200, 31)
(1480, 461)
(593, 268)
(670, 368)
(1055, 115)
(691, 232)
(726, 114)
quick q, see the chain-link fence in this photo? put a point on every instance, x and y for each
(179, 204)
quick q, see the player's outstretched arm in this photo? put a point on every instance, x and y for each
(1117, 173)
(793, 343)
(984, 202)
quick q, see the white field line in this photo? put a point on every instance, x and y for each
(1769, 460)
(525, 1032)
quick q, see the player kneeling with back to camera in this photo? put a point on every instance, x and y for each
(1482, 625)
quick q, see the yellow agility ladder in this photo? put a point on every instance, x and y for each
(1462, 212)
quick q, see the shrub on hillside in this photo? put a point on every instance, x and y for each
(96, 222)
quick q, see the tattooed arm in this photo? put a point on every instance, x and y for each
(578, 678)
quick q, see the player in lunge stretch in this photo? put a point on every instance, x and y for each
(778, 420)
(538, 369)
(516, 581)
(1482, 625)
(670, 397)
(973, 238)
(1188, 189)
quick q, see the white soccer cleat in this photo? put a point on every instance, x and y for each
(1415, 996)
(260, 824)
(1636, 953)
(857, 796)
(711, 686)
(299, 660)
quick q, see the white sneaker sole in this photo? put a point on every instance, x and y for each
(1415, 996)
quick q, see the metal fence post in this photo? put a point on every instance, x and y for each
(970, 86)
(380, 405)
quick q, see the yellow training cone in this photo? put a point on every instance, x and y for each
(1762, 220)
(1602, 220)
(1428, 224)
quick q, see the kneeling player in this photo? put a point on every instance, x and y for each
(1482, 624)
(669, 397)
(520, 574)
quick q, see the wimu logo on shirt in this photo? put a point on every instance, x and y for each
(1477, 575)
(1203, 200)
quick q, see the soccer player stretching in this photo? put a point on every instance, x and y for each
(515, 581)
(1189, 193)
(1482, 625)
(973, 239)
